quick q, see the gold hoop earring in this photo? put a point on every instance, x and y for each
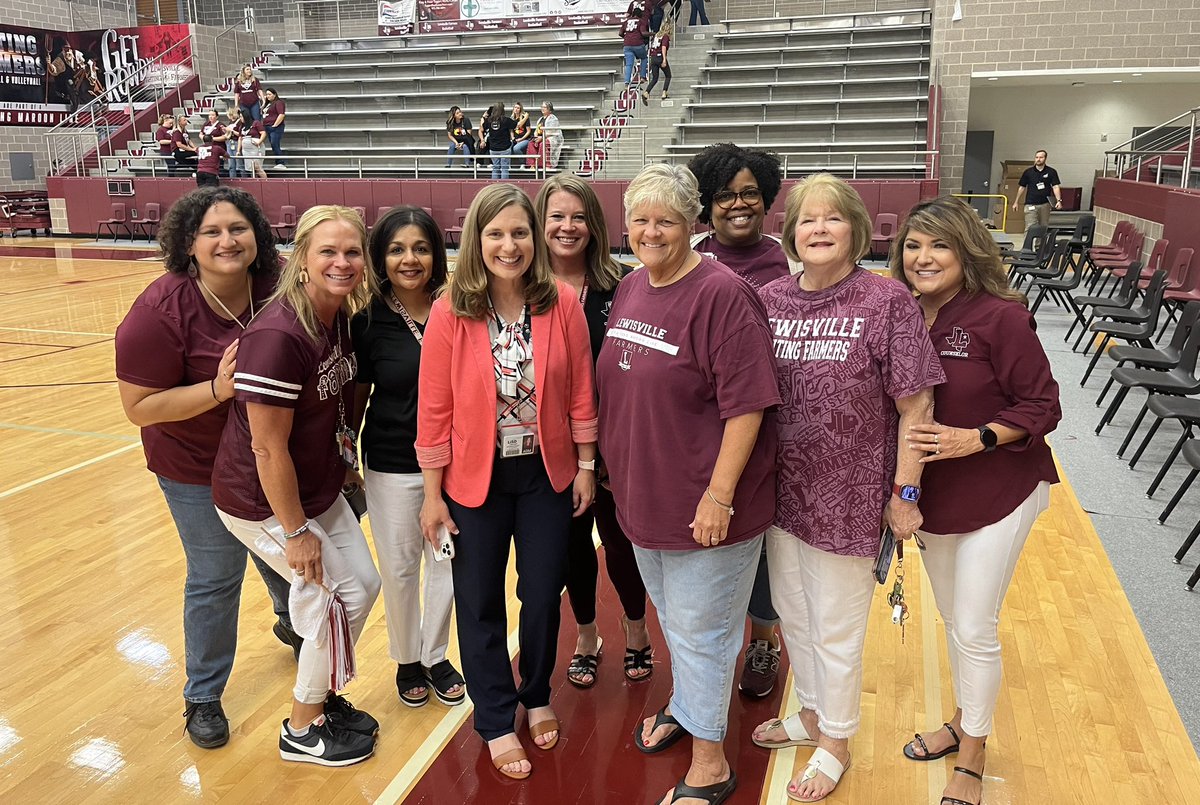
(304, 276)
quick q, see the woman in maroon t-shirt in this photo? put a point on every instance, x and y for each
(176, 350)
(286, 450)
(249, 94)
(993, 413)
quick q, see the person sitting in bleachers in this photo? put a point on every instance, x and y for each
(523, 133)
(182, 147)
(458, 132)
(212, 127)
(546, 146)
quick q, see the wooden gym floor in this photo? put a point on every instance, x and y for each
(91, 575)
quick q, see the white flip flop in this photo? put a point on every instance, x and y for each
(793, 727)
(821, 762)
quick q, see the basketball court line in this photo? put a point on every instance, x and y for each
(68, 432)
(67, 470)
(55, 332)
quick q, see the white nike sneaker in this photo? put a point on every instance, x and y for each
(325, 744)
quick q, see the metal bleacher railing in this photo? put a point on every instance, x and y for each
(1163, 155)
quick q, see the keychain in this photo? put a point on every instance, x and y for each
(896, 598)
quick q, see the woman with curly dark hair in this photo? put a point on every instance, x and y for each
(176, 350)
(737, 187)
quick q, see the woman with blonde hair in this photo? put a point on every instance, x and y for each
(506, 441)
(572, 222)
(685, 380)
(284, 455)
(856, 371)
(993, 413)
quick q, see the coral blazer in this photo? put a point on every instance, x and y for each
(456, 408)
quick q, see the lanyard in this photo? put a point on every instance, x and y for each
(249, 293)
(412, 325)
(584, 292)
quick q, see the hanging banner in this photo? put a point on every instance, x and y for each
(396, 17)
(47, 75)
(445, 16)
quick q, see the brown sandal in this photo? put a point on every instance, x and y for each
(541, 728)
(511, 756)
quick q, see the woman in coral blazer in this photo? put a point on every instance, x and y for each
(506, 440)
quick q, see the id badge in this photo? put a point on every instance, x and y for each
(519, 439)
(347, 445)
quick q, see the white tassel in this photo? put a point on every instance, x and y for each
(342, 667)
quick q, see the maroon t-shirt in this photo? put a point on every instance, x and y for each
(254, 131)
(209, 158)
(171, 337)
(280, 364)
(996, 371)
(179, 139)
(634, 31)
(659, 45)
(757, 264)
(247, 91)
(274, 111)
(676, 363)
(164, 133)
(213, 130)
(843, 356)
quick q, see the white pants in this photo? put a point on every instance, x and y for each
(348, 569)
(970, 574)
(823, 600)
(394, 504)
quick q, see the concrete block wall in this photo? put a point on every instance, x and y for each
(1049, 35)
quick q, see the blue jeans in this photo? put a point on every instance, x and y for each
(453, 149)
(698, 10)
(521, 147)
(703, 632)
(216, 565)
(500, 166)
(634, 52)
(235, 168)
(252, 112)
(275, 137)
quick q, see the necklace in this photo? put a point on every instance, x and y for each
(249, 293)
(412, 325)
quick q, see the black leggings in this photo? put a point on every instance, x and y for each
(657, 64)
(583, 568)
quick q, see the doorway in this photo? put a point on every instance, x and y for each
(977, 171)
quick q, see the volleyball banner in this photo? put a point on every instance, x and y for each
(46, 75)
(448, 16)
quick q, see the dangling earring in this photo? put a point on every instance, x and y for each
(304, 276)
(193, 270)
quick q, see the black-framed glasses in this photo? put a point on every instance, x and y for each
(728, 198)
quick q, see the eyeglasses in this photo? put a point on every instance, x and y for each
(728, 198)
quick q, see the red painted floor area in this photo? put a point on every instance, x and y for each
(90, 252)
(595, 761)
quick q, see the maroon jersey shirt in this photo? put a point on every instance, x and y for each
(676, 363)
(247, 91)
(843, 356)
(171, 337)
(280, 364)
(996, 371)
(757, 264)
(163, 133)
(209, 158)
(273, 112)
(179, 139)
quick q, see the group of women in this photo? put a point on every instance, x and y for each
(711, 420)
(503, 136)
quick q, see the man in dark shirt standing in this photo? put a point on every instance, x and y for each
(1035, 186)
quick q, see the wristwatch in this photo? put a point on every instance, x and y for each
(910, 493)
(587, 465)
(988, 438)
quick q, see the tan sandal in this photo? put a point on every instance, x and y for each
(541, 728)
(511, 756)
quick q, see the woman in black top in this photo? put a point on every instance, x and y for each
(458, 132)
(523, 132)
(572, 222)
(409, 261)
(498, 129)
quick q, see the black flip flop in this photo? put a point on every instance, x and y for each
(927, 757)
(712, 794)
(660, 719)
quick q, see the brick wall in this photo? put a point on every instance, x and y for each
(1050, 35)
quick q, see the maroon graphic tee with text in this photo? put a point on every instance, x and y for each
(843, 356)
(278, 363)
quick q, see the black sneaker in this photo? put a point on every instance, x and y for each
(344, 715)
(325, 744)
(289, 638)
(206, 724)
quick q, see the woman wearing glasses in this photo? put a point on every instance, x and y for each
(737, 187)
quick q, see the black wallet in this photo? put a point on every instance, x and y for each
(356, 496)
(887, 549)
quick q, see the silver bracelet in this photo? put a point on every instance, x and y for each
(301, 530)
(728, 508)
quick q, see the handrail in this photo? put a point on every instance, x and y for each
(1169, 143)
(1178, 117)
